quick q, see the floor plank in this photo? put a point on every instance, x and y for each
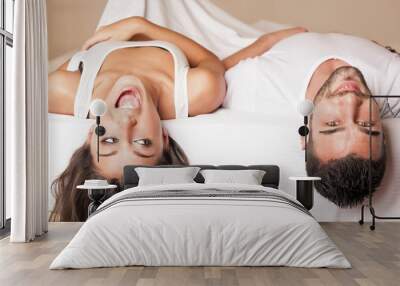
(374, 255)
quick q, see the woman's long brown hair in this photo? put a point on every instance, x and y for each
(72, 204)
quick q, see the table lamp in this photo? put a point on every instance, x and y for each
(305, 108)
(98, 108)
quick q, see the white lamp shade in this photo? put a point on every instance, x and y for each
(305, 107)
(98, 107)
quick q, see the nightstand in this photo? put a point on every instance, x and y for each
(304, 190)
(97, 195)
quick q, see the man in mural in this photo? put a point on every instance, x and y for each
(144, 73)
(338, 73)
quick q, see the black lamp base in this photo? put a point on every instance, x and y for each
(305, 193)
(100, 131)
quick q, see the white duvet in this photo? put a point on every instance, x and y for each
(188, 231)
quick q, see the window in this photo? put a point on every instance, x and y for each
(6, 44)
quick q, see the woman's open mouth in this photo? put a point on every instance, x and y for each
(129, 98)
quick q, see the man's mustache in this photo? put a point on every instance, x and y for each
(344, 93)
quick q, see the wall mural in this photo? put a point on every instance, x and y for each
(185, 92)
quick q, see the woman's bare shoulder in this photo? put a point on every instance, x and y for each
(62, 88)
(206, 90)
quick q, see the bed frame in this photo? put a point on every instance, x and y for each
(270, 179)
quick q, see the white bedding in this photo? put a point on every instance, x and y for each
(200, 231)
(230, 137)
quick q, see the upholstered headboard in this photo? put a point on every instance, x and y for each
(270, 179)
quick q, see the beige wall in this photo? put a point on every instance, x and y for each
(373, 19)
(70, 22)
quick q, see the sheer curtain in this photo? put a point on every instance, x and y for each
(26, 118)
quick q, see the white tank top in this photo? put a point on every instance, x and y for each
(278, 80)
(93, 59)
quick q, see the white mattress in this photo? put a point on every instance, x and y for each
(200, 231)
(231, 137)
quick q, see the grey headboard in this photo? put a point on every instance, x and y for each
(270, 179)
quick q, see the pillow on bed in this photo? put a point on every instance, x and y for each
(248, 177)
(162, 176)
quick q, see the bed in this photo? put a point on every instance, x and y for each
(201, 224)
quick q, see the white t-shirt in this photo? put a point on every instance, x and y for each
(278, 80)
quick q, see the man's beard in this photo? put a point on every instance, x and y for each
(342, 73)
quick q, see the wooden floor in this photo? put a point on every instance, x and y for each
(375, 257)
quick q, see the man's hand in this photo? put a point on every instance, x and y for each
(261, 45)
(276, 37)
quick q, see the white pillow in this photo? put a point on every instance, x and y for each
(248, 177)
(162, 176)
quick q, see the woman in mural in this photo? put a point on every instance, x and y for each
(338, 73)
(144, 73)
